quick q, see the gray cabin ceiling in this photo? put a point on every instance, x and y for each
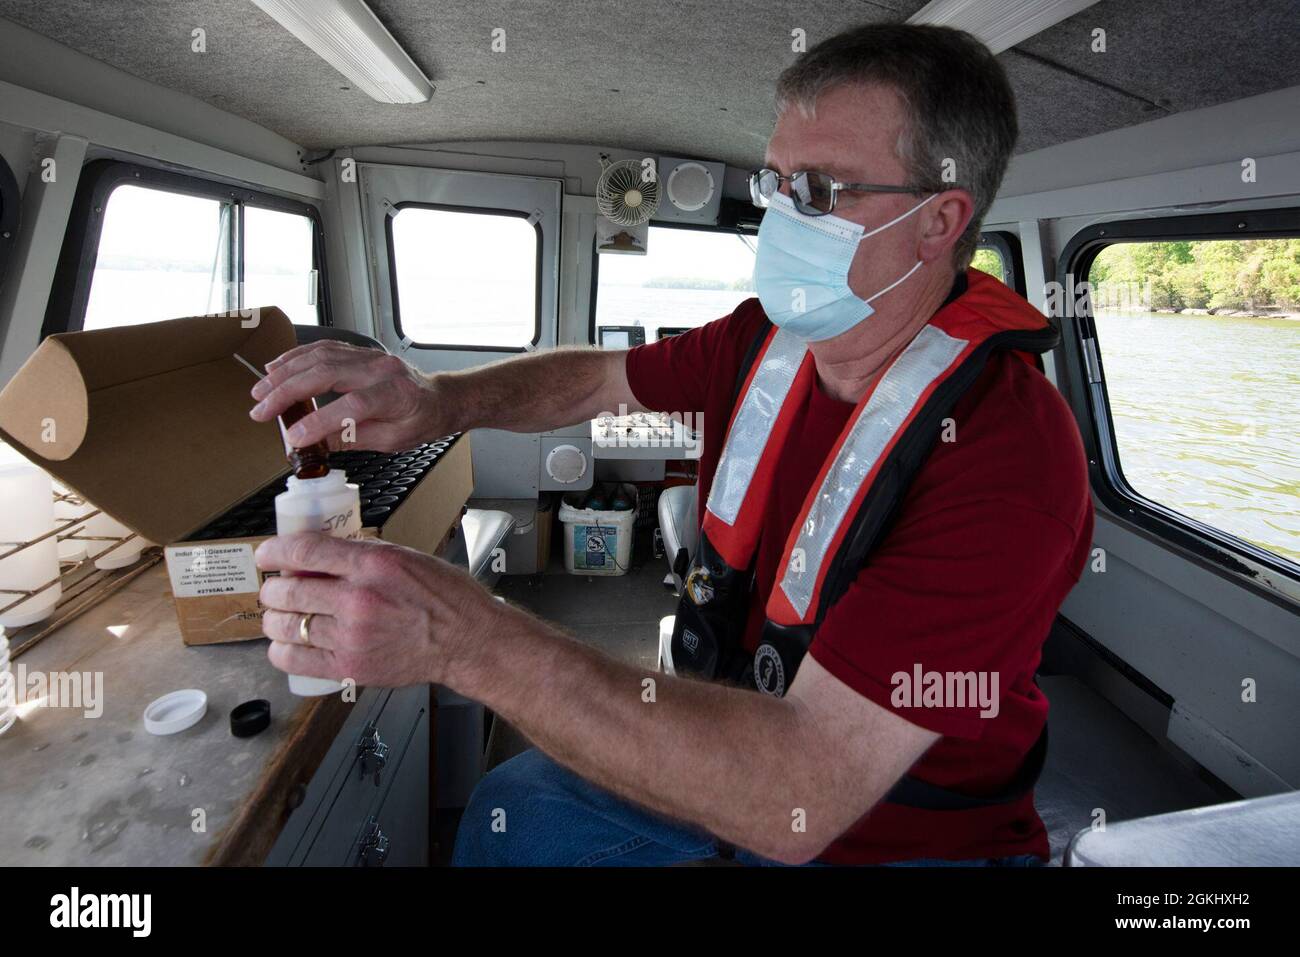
(686, 77)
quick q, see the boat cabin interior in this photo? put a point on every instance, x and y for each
(465, 184)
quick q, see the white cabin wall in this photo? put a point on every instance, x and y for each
(16, 145)
(578, 166)
(1181, 622)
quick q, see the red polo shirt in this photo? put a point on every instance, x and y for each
(989, 539)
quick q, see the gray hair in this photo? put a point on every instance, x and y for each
(958, 101)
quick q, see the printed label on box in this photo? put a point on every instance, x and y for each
(199, 570)
(594, 546)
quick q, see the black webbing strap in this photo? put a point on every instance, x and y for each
(913, 792)
(747, 361)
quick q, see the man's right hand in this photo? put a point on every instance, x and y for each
(391, 404)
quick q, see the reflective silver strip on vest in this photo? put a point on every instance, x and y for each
(759, 409)
(928, 357)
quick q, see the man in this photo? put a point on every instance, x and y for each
(897, 637)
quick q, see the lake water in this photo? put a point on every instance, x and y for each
(1205, 418)
(126, 297)
(652, 308)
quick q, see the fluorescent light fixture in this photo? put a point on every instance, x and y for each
(1000, 24)
(349, 37)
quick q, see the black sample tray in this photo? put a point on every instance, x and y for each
(383, 478)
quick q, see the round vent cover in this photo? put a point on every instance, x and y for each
(566, 464)
(690, 187)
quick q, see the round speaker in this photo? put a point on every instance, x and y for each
(566, 464)
(690, 187)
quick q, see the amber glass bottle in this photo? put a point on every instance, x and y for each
(310, 461)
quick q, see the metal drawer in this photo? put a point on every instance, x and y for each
(398, 835)
(344, 794)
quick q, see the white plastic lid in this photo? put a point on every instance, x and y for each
(176, 711)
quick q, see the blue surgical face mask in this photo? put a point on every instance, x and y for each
(801, 272)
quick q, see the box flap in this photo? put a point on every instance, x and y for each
(150, 422)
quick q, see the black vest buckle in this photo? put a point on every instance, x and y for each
(708, 633)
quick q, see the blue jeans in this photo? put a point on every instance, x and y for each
(531, 812)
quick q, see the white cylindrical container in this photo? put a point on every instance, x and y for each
(26, 513)
(329, 504)
(8, 693)
(108, 554)
(70, 550)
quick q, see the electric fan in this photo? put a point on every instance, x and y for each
(627, 192)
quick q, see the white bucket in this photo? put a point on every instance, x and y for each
(597, 541)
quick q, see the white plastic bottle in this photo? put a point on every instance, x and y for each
(329, 504)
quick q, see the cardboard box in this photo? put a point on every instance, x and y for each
(150, 422)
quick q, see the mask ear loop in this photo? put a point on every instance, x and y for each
(895, 282)
(886, 226)
(898, 219)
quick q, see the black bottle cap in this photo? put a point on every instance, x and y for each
(250, 718)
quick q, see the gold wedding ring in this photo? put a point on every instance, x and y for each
(303, 626)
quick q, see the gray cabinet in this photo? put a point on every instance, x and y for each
(368, 803)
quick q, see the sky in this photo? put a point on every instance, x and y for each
(681, 253)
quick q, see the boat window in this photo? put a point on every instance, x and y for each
(465, 278)
(686, 277)
(990, 259)
(1199, 343)
(279, 268)
(145, 244)
(165, 254)
(161, 255)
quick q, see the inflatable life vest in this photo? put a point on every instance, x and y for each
(851, 502)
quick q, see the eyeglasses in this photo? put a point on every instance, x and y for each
(813, 193)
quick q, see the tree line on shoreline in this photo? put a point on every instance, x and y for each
(1187, 275)
(1207, 275)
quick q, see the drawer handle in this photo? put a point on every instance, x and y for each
(372, 753)
(374, 846)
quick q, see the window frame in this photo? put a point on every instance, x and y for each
(1007, 245)
(729, 221)
(456, 208)
(1215, 547)
(70, 294)
(10, 215)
